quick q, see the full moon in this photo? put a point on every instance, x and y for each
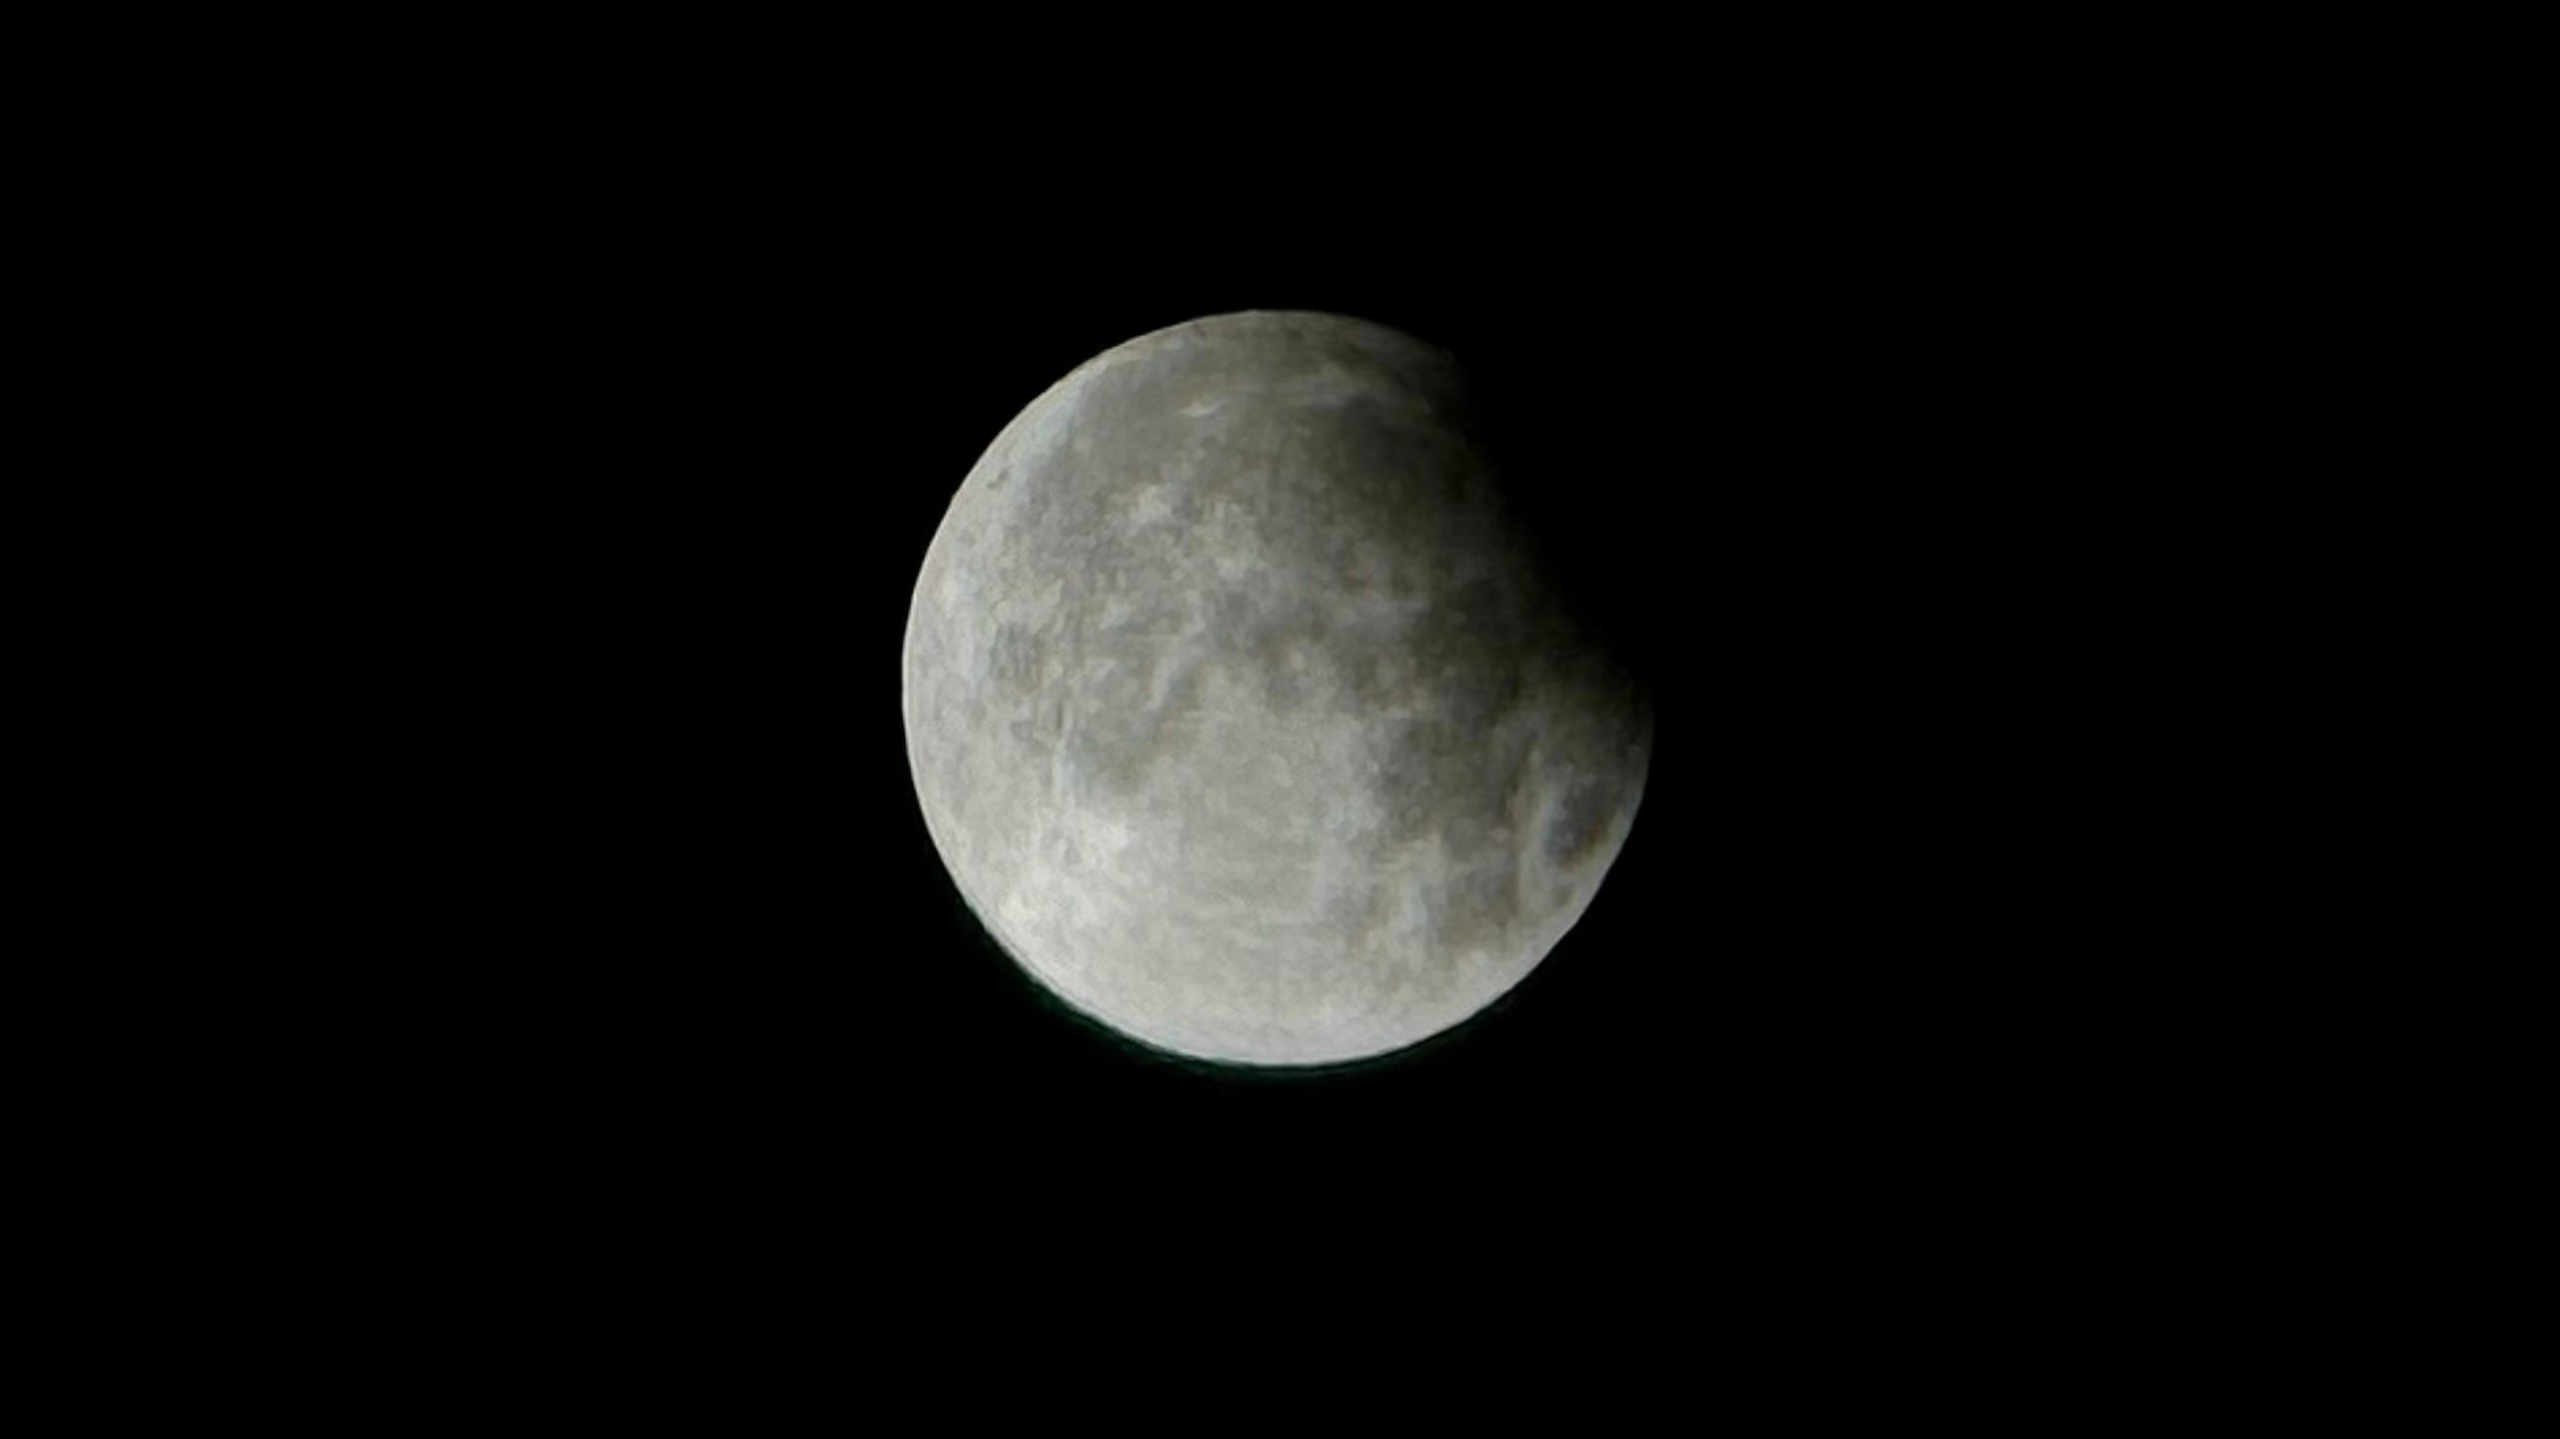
(1242, 707)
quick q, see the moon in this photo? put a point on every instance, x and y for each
(1242, 708)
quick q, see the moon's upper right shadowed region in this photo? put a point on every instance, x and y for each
(1241, 708)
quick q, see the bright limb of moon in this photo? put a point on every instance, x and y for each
(1241, 710)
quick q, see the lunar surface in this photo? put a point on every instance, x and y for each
(1241, 709)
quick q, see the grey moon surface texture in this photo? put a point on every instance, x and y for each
(1242, 712)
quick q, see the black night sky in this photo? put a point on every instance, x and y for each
(558, 422)
(682, 439)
